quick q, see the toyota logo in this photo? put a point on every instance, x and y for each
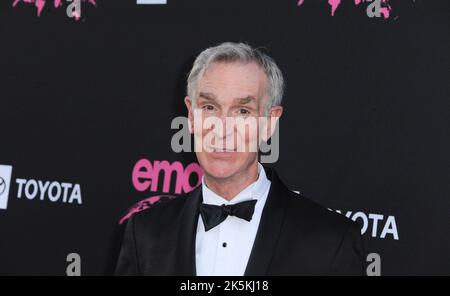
(2, 185)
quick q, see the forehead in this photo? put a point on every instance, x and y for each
(233, 79)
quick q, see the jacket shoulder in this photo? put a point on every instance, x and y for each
(164, 210)
(317, 215)
(332, 241)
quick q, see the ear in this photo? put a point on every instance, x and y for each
(273, 117)
(188, 103)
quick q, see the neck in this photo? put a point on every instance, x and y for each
(229, 187)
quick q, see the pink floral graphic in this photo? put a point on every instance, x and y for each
(334, 4)
(40, 4)
(145, 204)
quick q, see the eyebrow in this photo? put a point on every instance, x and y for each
(207, 96)
(246, 100)
(212, 97)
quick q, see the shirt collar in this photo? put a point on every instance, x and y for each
(252, 191)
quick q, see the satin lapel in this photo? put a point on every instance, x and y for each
(185, 252)
(269, 227)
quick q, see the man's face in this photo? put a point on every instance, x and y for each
(233, 90)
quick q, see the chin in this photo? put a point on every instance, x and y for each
(221, 167)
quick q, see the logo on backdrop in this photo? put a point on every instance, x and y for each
(39, 190)
(375, 8)
(5, 180)
(147, 176)
(73, 8)
(375, 225)
(161, 176)
(2, 185)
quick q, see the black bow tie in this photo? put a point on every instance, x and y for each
(214, 215)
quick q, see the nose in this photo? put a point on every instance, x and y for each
(223, 127)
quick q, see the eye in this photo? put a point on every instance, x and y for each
(208, 108)
(243, 111)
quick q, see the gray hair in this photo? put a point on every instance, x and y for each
(238, 52)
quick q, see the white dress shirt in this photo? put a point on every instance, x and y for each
(225, 249)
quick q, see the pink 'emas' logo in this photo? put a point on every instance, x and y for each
(40, 4)
(148, 176)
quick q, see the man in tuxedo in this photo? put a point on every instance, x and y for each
(242, 219)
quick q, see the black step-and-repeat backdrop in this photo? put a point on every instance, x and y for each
(89, 90)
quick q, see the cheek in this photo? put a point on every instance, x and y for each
(249, 138)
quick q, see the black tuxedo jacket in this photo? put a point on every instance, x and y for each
(295, 237)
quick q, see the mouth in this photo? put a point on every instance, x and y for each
(221, 150)
(217, 150)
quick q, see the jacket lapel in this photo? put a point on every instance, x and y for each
(185, 251)
(269, 227)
